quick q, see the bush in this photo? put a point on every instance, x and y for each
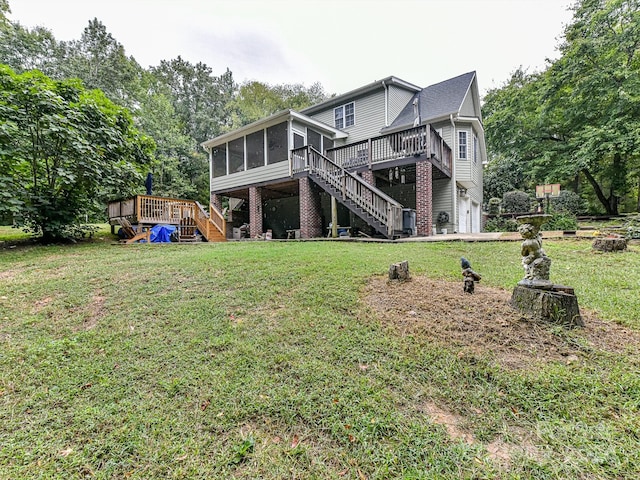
(516, 202)
(569, 202)
(494, 206)
(501, 224)
(633, 227)
(561, 221)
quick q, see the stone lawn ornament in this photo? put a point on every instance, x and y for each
(470, 277)
(535, 262)
(535, 294)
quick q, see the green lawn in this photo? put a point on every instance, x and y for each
(260, 360)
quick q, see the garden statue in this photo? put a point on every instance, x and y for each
(470, 277)
(535, 262)
(535, 294)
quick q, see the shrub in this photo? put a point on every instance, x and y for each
(633, 227)
(501, 224)
(494, 206)
(516, 202)
(561, 221)
(568, 202)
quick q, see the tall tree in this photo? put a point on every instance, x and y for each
(99, 60)
(580, 117)
(64, 151)
(200, 98)
(256, 100)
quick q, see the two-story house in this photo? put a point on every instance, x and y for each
(392, 154)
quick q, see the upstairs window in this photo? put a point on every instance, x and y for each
(462, 145)
(344, 116)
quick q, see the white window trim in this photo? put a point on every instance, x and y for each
(343, 110)
(476, 146)
(466, 145)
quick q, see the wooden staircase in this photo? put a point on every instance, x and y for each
(377, 209)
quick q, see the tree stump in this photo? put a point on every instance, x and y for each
(399, 271)
(548, 305)
(616, 244)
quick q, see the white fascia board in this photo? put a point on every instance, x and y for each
(323, 127)
(279, 117)
(351, 95)
(247, 129)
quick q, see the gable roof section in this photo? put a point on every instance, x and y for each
(436, 101)
(351, 95)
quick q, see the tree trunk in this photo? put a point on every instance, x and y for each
(606, 202)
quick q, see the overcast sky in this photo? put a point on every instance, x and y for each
(343, 44)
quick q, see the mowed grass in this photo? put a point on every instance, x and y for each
(260, 360)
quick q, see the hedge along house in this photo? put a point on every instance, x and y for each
(392, 154)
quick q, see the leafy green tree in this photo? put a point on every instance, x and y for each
(199, 97)
(99, 60)
(502, 175)
(581, 117)
(64, 151)
(256, 100)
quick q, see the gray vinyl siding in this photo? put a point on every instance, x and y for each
(464, 165)
(369, 116)
(468, 109)
(276, 171)
(398, 99)
(443, 201)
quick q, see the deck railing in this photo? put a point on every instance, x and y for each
(414, 142)
(153, 210)
(373, 201)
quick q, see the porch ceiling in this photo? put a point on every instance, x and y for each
(269, 192)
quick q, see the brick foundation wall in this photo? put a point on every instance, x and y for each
(255, 211)
(310, 211)
(424, 202)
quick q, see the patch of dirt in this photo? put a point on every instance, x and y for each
(499, 451)
(95, 311)
(483, 324)
(8, 274)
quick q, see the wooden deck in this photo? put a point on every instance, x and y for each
(414, 142)
(146, 210)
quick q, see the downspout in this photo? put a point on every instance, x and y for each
(386, 104)
(210, 150)
(454, 190)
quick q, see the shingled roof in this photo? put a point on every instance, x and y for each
(435, 101)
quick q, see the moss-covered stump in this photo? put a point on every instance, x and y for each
(548, 305)
(608, 244)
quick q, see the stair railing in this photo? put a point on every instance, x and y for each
(206, 221)
(380, 206)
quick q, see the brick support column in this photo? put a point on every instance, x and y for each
(255, 211)
(216, 201)
(367, 176)
(310, 211)
(424, 201)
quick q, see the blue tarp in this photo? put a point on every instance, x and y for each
(162, 233)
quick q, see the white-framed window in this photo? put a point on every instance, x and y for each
(462, 144)
(344, 115)
(475, 148)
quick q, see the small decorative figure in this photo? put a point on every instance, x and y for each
(470, 277)
(535, 262)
